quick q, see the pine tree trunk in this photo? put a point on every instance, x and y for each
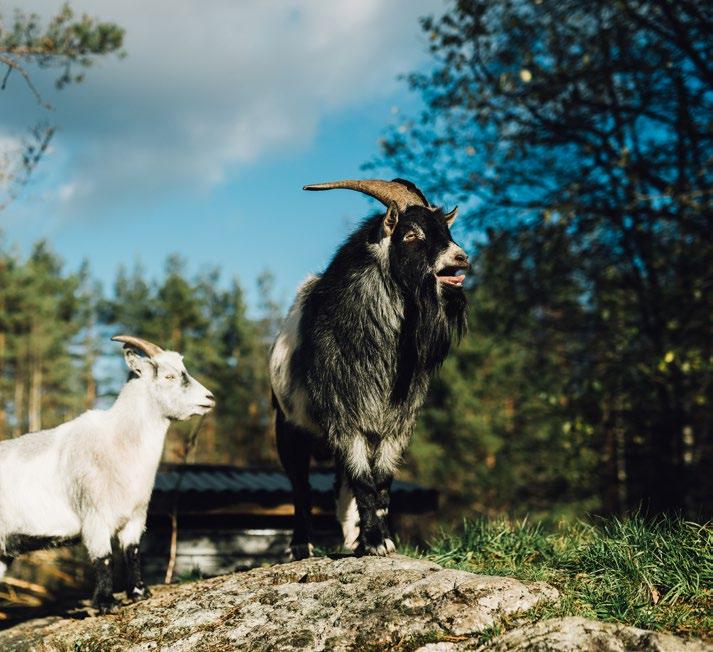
(19, 402)
(608, 491)
(621, 470)
(663, 484)
(35, 402)
(91, 395)
(209, 441)
(667, 493)
(3, 403)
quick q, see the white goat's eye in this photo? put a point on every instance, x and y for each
(170, 377)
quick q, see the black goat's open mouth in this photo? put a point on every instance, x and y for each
(453, 276)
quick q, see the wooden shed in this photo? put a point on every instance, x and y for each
(230, 518)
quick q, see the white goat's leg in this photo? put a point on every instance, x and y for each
(4, 564)
(5, 559)
(96, 536)
(130, 542)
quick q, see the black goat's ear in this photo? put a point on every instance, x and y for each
(391, 219)
(451, 217)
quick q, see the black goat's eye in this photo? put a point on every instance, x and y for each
(411, 236)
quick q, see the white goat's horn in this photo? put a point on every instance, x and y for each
(402, 192)
(148, 348)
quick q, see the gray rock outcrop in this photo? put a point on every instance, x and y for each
(368, 603)
(584, 635)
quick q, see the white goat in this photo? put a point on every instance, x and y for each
(92, 477)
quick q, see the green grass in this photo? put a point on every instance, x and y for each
(651, 574)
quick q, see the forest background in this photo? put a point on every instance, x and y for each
(577, 139)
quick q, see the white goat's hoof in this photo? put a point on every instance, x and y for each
(138, 593)
(390, 546)
(104, 605)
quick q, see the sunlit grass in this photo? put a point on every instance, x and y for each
(650, 574)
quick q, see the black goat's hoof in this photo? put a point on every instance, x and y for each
(138, 593)
(301, 551)
(381, 549)
(105, 605)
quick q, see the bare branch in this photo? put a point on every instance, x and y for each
(12, 64)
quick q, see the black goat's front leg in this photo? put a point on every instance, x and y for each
(386, 460)
(371, 533)
(383, 481)
(294, 447)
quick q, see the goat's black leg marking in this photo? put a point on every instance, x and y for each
(294, 449)
(6, 561)
(371, 535)
(103, 599)
(135, 588)
(383, 482)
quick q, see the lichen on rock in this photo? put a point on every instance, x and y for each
(347, 603)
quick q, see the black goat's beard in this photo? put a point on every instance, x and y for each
(439, 317)
(431, 321)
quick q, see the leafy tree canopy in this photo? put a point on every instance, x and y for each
(579, 135)
(67, 44)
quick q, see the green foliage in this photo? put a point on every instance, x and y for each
(56, 360)
(577, 136)
(500, 430)
(223, 347)
(650, 574)
(65, 44)
(40, 317)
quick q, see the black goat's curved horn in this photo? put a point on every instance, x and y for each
(147, 347)
(399, 191)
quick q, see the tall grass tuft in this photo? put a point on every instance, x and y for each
(651, 574)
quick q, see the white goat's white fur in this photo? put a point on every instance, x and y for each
(92, 477)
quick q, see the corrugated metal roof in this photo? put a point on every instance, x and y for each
(225, 479)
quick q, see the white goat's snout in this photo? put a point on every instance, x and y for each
(203, 399)
(208, 402)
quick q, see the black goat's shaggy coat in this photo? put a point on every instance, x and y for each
(352, 365)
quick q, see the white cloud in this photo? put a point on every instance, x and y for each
(208, 86)
(10, 151)
(67, 191)
(10, 143)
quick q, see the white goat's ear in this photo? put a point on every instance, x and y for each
(391, 219)
(138, 362)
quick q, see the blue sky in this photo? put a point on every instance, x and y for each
(200, 140)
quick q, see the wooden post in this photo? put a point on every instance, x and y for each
(173, 550)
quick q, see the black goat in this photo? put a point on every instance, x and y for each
(351, 366)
